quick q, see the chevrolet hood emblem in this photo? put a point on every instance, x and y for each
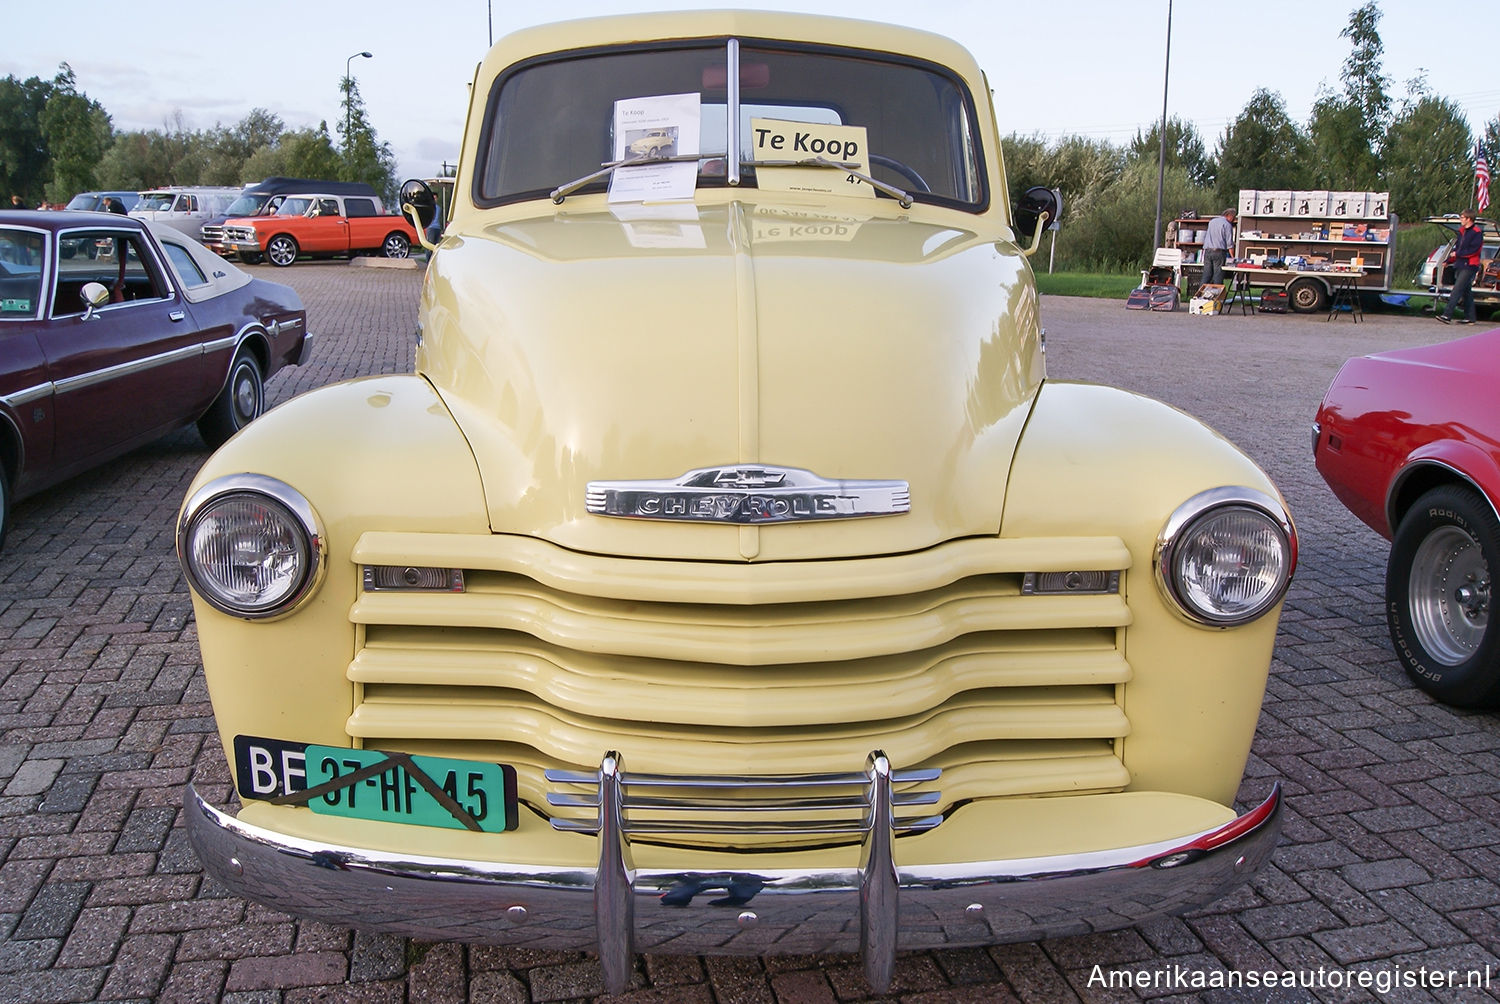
(748, 494)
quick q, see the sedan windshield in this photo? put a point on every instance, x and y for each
(907, 124)
(158, 202)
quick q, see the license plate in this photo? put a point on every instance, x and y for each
(379, 786)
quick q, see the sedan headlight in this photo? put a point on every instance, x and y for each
(250, 545)
(1226, 556)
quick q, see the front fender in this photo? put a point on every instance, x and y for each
(1100, 461)
(1441, 461)
(377, 453)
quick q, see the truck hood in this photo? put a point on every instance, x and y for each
(578, 347)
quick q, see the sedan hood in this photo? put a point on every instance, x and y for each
(577, 348)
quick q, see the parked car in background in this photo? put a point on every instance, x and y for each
(185, 209)
(100, 355)
(320, 225)
(265, 197)
(729, 577)
(1437, 271)
(1409, 440)
(94, 201)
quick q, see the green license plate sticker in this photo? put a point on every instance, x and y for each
(14, 306)
(485, 791)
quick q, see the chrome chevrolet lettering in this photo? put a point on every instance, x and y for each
(748, 494)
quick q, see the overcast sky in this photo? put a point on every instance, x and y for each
(1089, 67)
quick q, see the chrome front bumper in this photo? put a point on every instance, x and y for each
(875, 907)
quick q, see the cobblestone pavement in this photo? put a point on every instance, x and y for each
(1388, 868)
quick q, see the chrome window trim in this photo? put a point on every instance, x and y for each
(163, 270)
(1191, 510)
(44, 290)
(280, 492)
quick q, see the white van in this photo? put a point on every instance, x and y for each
(184, 208)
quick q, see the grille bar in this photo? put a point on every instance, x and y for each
(749, 794)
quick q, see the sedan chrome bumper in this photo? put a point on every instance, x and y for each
(875, 907)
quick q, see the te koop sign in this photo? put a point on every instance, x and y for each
(777, 141)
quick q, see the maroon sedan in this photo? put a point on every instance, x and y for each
(114, 332)
(1410, 441)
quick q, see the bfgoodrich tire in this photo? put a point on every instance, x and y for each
(1437, 597)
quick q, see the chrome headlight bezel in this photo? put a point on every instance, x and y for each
(1192, 514)
(287, 505)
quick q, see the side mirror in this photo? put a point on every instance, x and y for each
(1030, 206)
(416, 195)
(419, 205)
(94, 296)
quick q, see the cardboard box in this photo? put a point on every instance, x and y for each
(1249, 204)
(1198, 305)
(1311, 203)
(1348, 205)
(1281, 202)
(1378, 205)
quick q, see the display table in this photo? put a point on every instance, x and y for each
(1343, 284)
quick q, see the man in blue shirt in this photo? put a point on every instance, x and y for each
(1217, 244)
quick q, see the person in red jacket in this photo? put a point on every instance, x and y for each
(1465, 267)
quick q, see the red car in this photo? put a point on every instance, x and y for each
(1410, 441)
(102, 352)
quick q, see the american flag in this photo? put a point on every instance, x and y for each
(1481, 179)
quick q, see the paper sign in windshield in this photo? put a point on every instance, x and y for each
(666, 125)
(778, 140)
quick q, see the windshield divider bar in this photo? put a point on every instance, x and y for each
(732, 116)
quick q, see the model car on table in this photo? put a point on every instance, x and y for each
(729, 576)
(115, 332)
(1409, 440)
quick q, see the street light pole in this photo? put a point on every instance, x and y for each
(349, 92)
(1161, 162)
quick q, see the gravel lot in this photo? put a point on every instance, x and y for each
(1388, 871)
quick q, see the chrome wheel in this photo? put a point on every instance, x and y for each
(1450, 595)
(282, 250)
(396, 246)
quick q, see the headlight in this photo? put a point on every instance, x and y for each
(250, 545)
(1226, 556)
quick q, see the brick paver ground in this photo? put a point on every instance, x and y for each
(1388, 872)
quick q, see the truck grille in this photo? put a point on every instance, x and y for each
(548, 659)
(212, 232)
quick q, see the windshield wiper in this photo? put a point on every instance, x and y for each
(563, 191)
(841, 165)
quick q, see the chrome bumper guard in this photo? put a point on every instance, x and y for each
(617, 910)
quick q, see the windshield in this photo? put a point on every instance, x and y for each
(156, 202)
(247, 205)
(549, 123)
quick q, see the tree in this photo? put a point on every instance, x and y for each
(1347, 129)
(1426, 158)
(298, 153)
(1261, 148)
(1364, 77)
(1112, 232)
(1184, 149)
(228, 149)
(24, 167)
(76, 131)
(365, 158)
